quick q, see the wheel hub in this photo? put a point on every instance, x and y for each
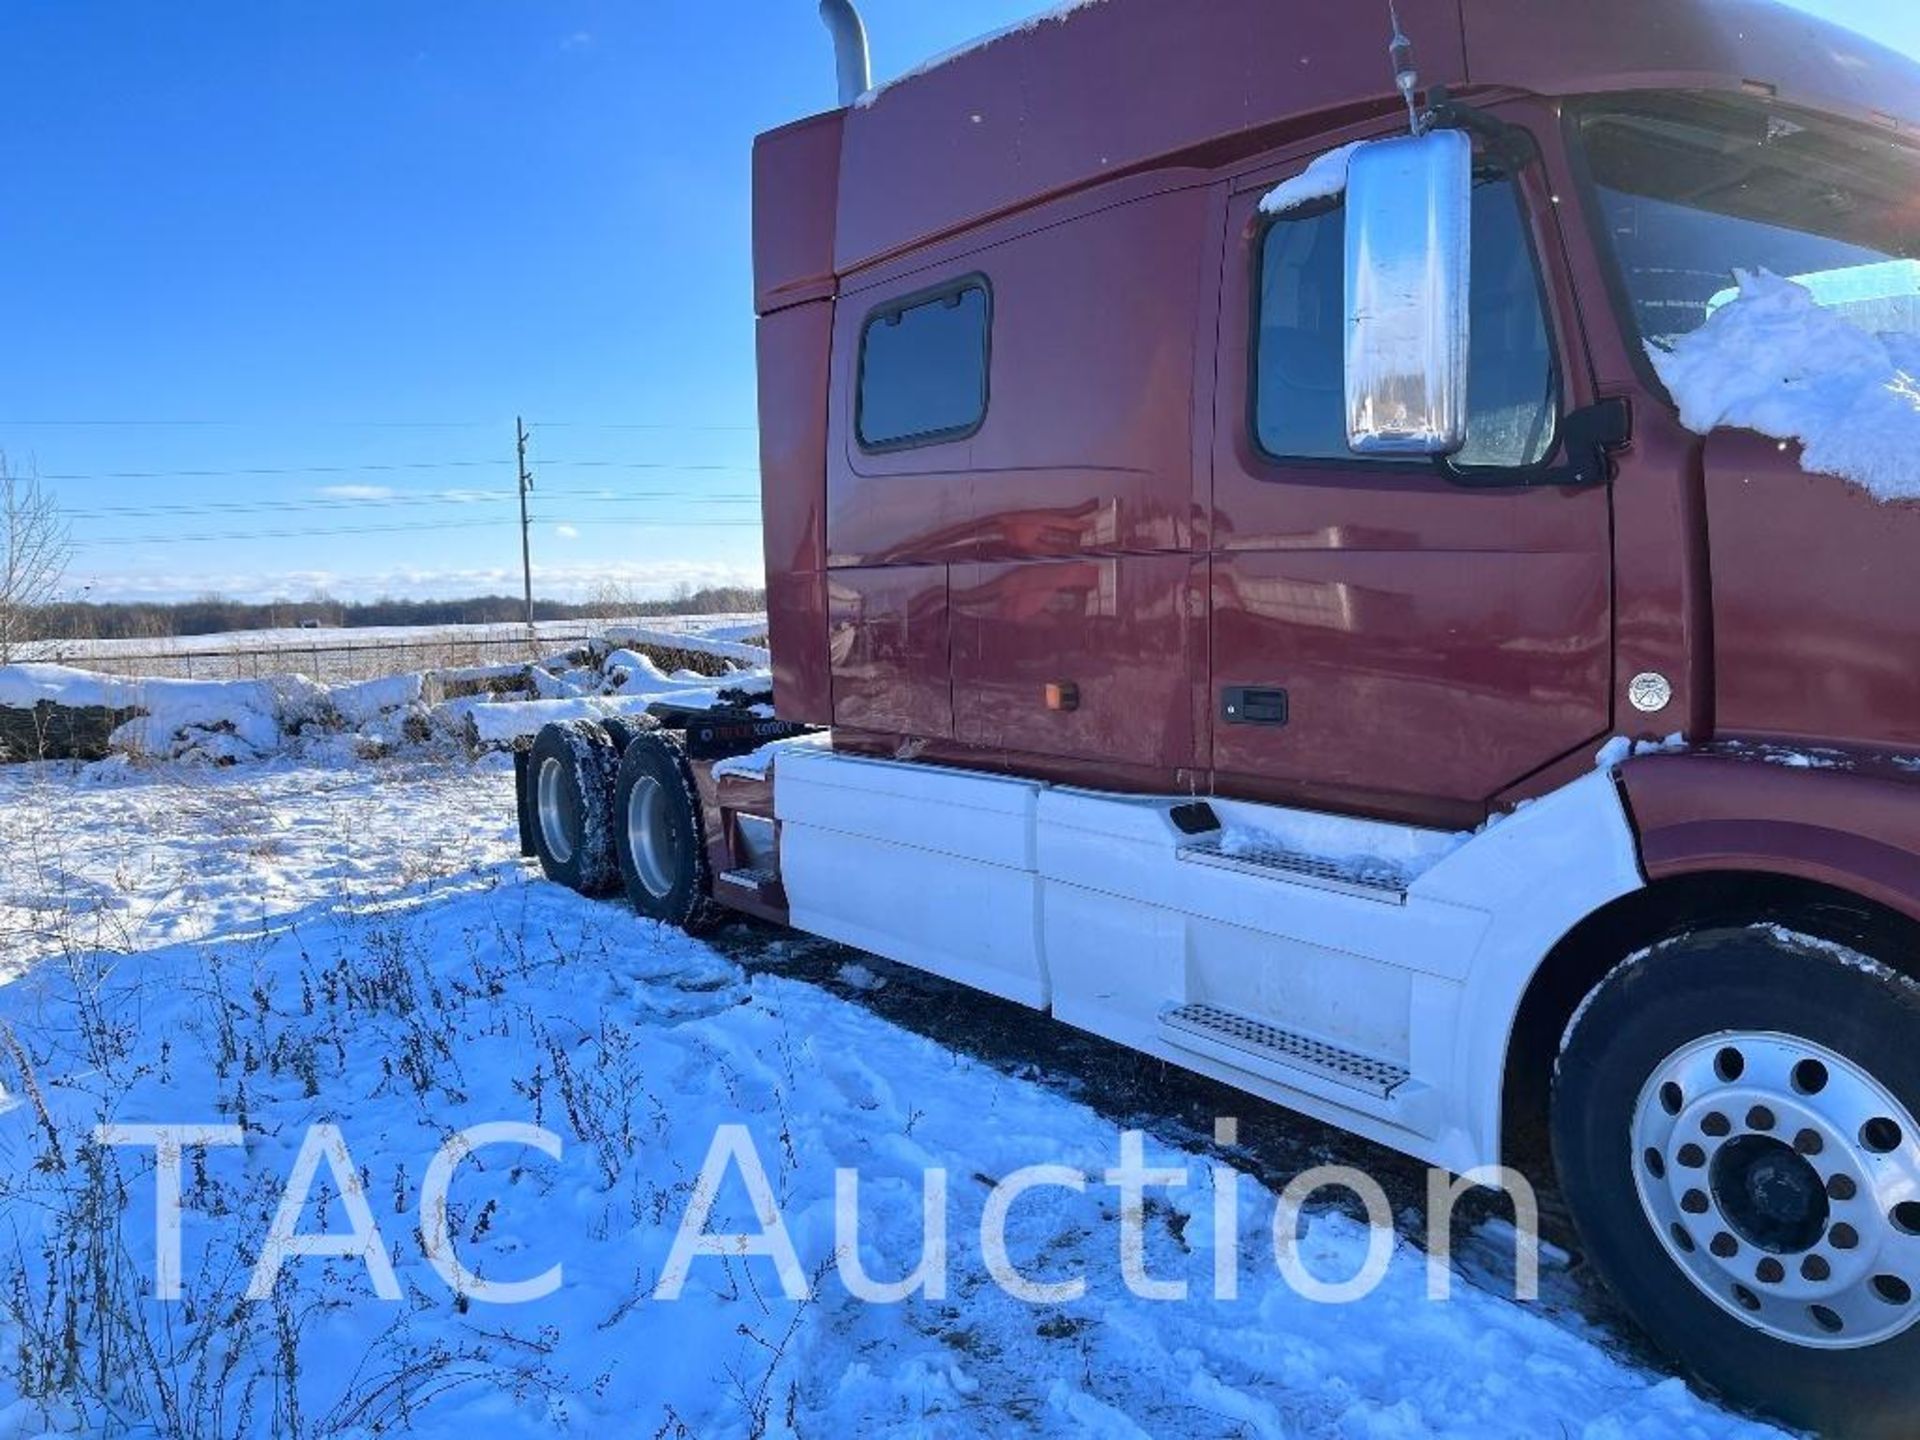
(650, 837)
(1784, 1181)
(558, 811)
(1770, 1194)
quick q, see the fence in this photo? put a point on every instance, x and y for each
(329, 661)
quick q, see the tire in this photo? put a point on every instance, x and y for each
(570, 777)
(523, 802)
(621, 729)
(1790, 1168)
(660, 836)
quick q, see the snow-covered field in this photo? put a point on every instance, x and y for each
(275, 946)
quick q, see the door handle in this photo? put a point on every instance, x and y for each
(1253, 705)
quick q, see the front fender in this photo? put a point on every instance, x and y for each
(1852, 822)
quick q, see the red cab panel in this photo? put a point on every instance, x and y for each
(794, 345)
(888, 640)
(1413, 674)
(1815, 588)
(1086, 444)
(1093, 657)
(796, 184)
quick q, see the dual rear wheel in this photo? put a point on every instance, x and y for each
(606, 806)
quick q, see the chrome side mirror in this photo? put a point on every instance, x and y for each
(1409, 259)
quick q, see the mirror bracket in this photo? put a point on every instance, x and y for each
(1512, 145)
(1589, 438)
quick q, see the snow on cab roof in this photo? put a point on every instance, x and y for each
(947, 57)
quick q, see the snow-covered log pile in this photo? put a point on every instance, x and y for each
(605, 682)
(54, 712)
(34, 729)
(57, 712)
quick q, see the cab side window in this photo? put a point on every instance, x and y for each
(1299, 401)
(923, 367)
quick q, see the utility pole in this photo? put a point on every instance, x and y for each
(526, 521)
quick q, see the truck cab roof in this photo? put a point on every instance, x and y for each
(1102, 88)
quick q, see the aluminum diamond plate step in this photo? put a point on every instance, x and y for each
(1260, 1045)
(1383, 884)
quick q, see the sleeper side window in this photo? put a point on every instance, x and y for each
(923, 367)
(1299, 401)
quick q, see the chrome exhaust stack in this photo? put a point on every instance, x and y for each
(842, 18)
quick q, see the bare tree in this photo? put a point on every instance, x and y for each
(609, 600)
(34, 549)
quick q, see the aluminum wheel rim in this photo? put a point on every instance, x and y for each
(556, 806)
(649, 840)
(1784, 1180)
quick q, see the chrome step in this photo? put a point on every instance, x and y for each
(1260, 1046)
(1382, 883)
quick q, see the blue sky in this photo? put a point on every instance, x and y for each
(337, 245)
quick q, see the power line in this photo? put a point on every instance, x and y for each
(255, 472)
(419, 527)
(255, 424)
(649, 465)
(259, 472)
(256, 507)
(382, 502)
(601, 425)
(649, 496)
(286, 534)
(330, 424)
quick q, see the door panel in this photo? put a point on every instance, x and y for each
(1437, 641)
(1115, 635)
(1440, 674)
(887, 640)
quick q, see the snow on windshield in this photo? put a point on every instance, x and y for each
(1777, 361)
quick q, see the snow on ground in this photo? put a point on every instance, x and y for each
(1777, 361)
(270, 946)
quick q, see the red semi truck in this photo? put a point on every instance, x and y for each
(1227, 583)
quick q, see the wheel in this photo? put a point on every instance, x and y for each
(1734, 1126)
(660, 835)
(570, 783)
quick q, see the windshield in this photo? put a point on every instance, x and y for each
(1693, 188)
